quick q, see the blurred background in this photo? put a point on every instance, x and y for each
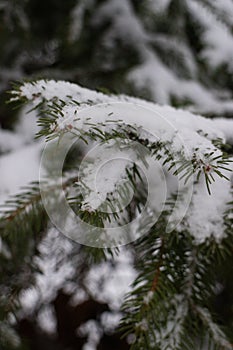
(176, 52)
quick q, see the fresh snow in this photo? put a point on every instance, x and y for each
(57, 264)
(185, 134)
(19, 155)
(203, 216)
(217, 37)
(151, 74)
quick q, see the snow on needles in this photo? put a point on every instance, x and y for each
(151, 73)
(187, 135)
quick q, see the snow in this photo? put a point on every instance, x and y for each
(213, 328)
(226, 126)
(76, 19)
(110, 320)
(121, 14)
(205, 215)
(93, 333)
(170, 335)
(58, 263)
(202, 214)
(184, 134)
(101, 175)
(225, 9)
(159, 5)
(151, 74)
(154, 76)
(15, 146)
(9, 141)
(113, 281)
(148, 297)
(47, 320)
(217, 37)
(64, 90)
(16, 173)
(54, 270)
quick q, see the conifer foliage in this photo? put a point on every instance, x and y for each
(127, 236)
(169, 51)
(178, 254)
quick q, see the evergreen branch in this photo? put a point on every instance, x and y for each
(158, 270)
(175, 275)
(30, 197)
(147, 308)
(61, 116)
(216, 333)
(22, 202)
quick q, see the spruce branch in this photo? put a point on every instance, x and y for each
(170, 299)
